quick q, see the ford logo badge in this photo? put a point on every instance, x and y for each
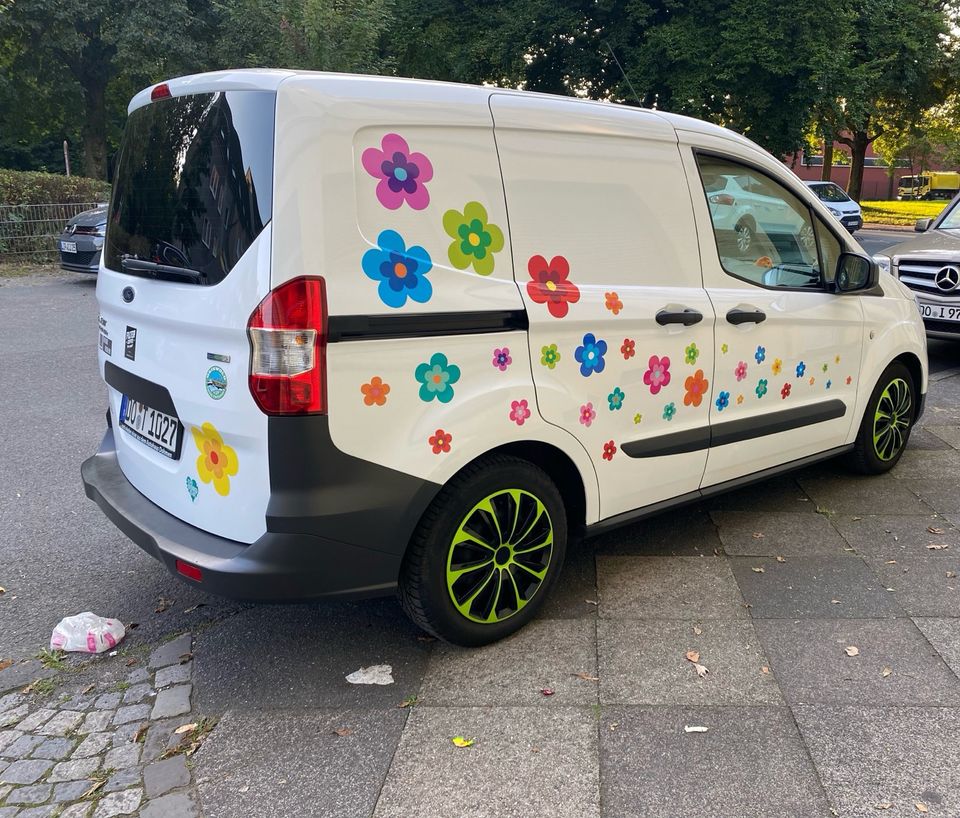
(127, 294)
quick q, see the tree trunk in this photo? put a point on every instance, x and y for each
(858, 152)
(827, 169)
(95, 127)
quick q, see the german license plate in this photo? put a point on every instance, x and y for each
(68, 247)
(940, 312)
(159, 431)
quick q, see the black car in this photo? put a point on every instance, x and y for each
(81, 241)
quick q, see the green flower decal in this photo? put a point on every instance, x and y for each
(691, 353)
(474, 240)
(549, 356)
(637, 417)
(724, 348)
(437, 378)
(824, 367)
(669, 411)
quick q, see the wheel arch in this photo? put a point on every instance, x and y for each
(915, 368)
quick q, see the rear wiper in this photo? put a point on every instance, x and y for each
(137, 265)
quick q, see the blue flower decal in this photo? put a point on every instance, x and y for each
(615, 398)
(192, 489)
(590, 355)
(723, 401)
(402, 272)
(761, 389)
(760, 354)
(801, 368)
(829, 384)
(437, 378)
(669, 411)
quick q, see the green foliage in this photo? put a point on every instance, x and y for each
(19, 188)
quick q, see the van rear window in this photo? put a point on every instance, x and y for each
(193, 185)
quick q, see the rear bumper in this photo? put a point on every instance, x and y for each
(277, 567)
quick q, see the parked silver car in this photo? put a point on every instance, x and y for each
(930, 266)
(81, 241)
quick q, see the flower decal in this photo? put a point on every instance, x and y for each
(375, 393)
(785, 391)
(739, 399)
(613, 303)
(400, 271)
(550, 284)
(628, 348)
(836, 359)
(609, 450)
(829, 384)
(637, 418)
(192, 489)
(849, 380)
(669, 411)
(615, 399)
(776, 366)
(437, 378)
(519, 411)
(440, 441)
(217, 462)
(590, 355)
(741, 370)
(690, 354)
(403, 175)
(801, 368)
(760, 354)
(474, 239)
(812, 380)
(722, 401)
(724, 348)
(549, 356)
(657, 375)
(587, 414)
(824, 367)
(695, 388)
(761, 389)
(502, 359)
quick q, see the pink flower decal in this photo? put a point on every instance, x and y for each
(587, 414)
(502, 359)
(403, 175)
(519, 411)
(740, 371)
(658, 374)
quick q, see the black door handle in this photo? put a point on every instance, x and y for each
(686, 316)
(738, 316)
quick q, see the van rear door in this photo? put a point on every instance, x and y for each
(186, 261)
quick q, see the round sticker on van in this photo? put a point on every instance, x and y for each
(216, 382)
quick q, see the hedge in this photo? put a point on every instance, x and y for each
(30, 187)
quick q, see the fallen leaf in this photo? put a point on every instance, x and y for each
(694, 728)
(781, 559)
(192, 608)
(883, 805)
(425, 638)
(951, 574)
(534, 749)
(586, 677)
(835, 601)
(343, 732)
(89, 688)
(591, 602)
(460, 741)
(701, 670)
(886, 672)
(163, 603)
(758, 570)
(890, 562)
(855, 519)
(131, 662)
(852, 650)
(614, 725)
(94, 787)
(133, 626)
(693, 656)
(937, 547)
(2, 590)
(764, 669)
(185, 657)
(185, 728)
(758, 535)
(921, 807)
(372, 675)
(547, 691)
(697, 630)
(5, 663)
(934, 530)
(410, 701)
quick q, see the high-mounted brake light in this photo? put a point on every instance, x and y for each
(161, 91)
(288, 339)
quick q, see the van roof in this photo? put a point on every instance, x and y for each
(269, 79)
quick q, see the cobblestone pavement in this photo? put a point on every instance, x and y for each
(770, 589)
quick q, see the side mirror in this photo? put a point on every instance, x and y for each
(922, 225)
(855, 273)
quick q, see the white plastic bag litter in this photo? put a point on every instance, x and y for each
(373, 675)
(86, 633)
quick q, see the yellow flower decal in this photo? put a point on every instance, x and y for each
(777, 364)
(217, 461)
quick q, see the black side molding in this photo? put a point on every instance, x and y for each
(734, 431)
(379, 327)
(140, 389)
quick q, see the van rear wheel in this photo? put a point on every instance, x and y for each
(887, 421)
(486, 553)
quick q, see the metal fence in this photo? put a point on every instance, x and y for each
(31, 231)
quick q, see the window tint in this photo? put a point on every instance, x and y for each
(830, 250)
(764, 232)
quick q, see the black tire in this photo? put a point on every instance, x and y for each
(895, 390)
(425, 594)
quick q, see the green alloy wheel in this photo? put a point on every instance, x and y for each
(486, 553)
(887, 422)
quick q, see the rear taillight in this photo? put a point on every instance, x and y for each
(288, 349)
(723, 198)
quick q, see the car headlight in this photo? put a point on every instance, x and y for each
(883, 262)
(836, 213)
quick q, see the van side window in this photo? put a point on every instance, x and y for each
(830, 250)
(765, 234)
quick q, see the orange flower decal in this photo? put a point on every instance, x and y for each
(217, 461)
(614, 304)
(375, 393)
(696, 387)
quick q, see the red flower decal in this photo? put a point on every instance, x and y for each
(440, 441)
(609, 450)
(628, 348)
(549, 284)
(849, 380)
(785, 392)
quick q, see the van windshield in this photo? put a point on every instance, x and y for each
(193, 186)
(830, 193)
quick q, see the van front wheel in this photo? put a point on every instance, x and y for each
(887, 422)
(486, 553)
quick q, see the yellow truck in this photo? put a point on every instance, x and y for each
(931, 185)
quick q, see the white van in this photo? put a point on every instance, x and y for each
(364, 335)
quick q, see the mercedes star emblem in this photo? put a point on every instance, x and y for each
(947, 278)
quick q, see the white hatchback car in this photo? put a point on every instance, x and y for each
(846, 210)
(376, 335)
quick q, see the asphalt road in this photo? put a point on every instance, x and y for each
(876, 241)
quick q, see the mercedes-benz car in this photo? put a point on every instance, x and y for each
(930, 266)
(81, 241)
